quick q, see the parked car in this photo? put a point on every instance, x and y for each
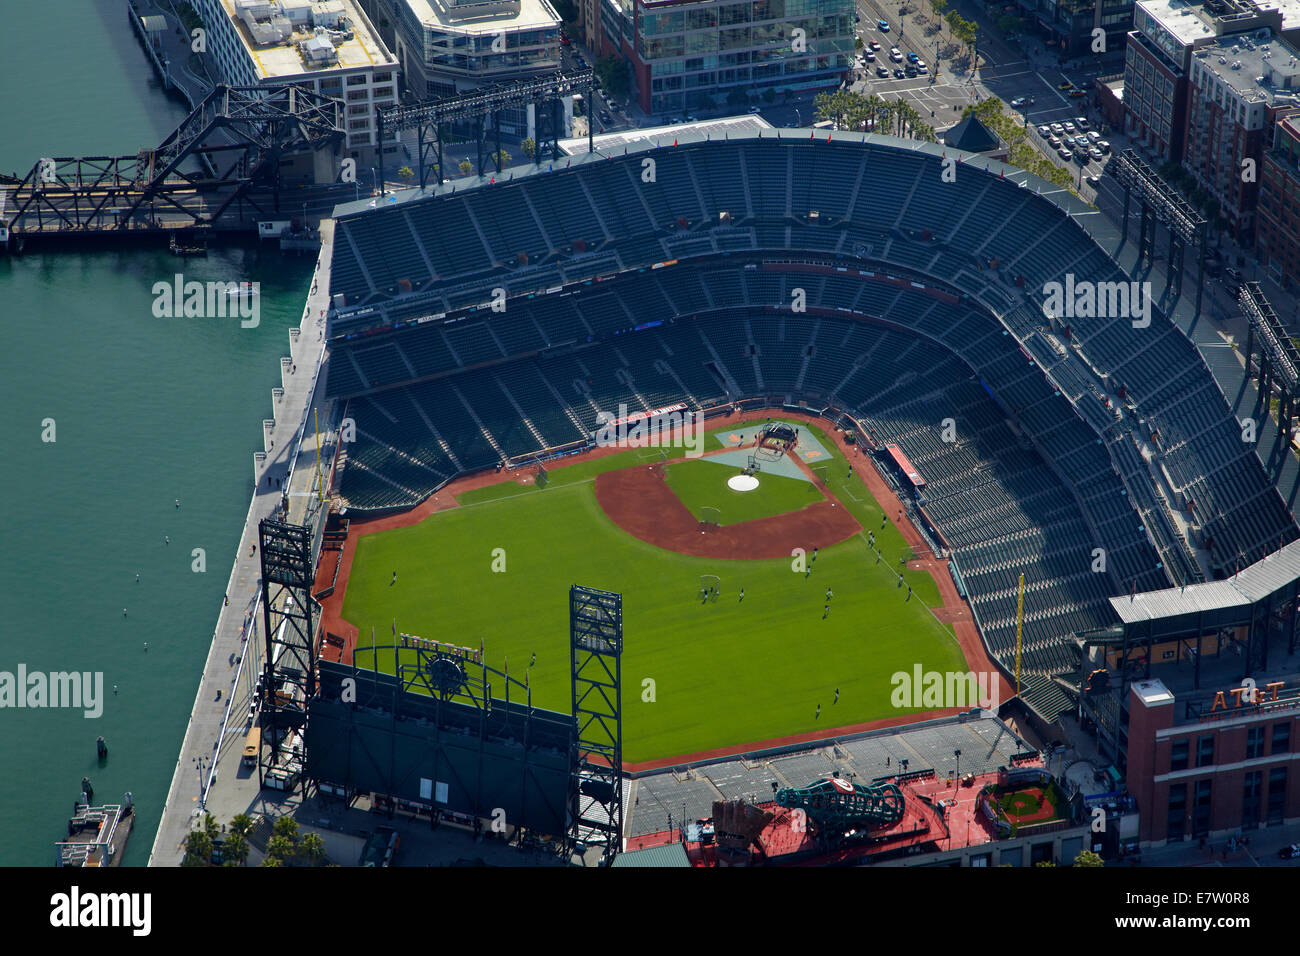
(869, 58)
(1289, 852)
(910, 71)
(912, 57)
(1057, 128)
(1094, 181)
(896, 57)
(1067, 85)
(1054, 142)
(900, 74)
(1094, 137)
(1068, 127)
(1103, 145)
(1075, 94)
(922, 68)
(1065, 154)
(1044, 131)
(1081, 122)
(1096, 155)
(1020, 101)
(882, 72)
(755, 110)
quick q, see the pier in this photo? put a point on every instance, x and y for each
(209, 776)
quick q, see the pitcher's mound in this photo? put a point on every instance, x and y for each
(742, 482)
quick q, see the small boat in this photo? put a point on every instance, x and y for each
(243, 289)
(177, 249)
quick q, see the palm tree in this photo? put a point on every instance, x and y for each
(236, 849)
(279, 848)
(313, 848)
(406, 174)
(466, 167)
(241, 824)
(286, 827)
(529, 146)
(271, 861)
(198, 849)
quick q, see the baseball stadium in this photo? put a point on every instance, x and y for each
(654, 460)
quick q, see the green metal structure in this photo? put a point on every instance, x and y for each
(837, 806)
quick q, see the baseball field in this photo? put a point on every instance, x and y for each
(760, 657)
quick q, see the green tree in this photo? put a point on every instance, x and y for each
(1044, 863)
(1088, 858)
(237, 848)
(529, 146)
(502, 159)
(241, 824)
(198, 849)
(272, 861)
(279, 848)
(465, 167)
(612, 71)
(286, 827)
(406, 174)
(312, 849)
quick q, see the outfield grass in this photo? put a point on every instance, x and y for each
(700, 483)
(696, 676)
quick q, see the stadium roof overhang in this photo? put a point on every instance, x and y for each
(1223, 602)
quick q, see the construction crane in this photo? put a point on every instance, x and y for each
(1020, 626)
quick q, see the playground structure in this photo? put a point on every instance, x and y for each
(842, 811)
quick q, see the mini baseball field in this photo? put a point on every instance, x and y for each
(703, 668)
(1023, 806)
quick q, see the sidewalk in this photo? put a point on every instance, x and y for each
(230, 793)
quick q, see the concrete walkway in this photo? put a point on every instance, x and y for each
(226, 672)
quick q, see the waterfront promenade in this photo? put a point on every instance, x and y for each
(228, 675)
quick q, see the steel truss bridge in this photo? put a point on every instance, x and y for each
(236, 137)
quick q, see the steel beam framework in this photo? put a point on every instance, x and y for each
(289, 619)
(1279, 362)
(1158, 201)
(430, 120)
(238, 133)
(596, 653)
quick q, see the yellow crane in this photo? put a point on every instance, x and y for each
(1020, 626)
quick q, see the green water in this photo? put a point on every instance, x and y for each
(146, 410)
